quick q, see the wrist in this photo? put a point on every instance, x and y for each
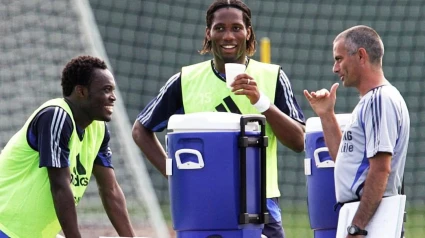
(354, 230)
(263, 103)
(327, 115)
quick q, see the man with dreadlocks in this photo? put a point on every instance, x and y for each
(263, 88)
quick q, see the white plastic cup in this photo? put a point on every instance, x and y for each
(232, 70)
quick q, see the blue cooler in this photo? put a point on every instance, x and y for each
(216, 174)
(319, 169)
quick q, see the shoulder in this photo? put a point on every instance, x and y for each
(196, 67)
(173, 80)
(170, 88)
(266, 66)
(54, 114)
(389, 91)
(207, 62)
(381, 102)
(386, 94)
(50, 122)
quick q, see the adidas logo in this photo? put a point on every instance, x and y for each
(78, 177)
(230, 104)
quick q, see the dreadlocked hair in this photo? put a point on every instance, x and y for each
(218, 4)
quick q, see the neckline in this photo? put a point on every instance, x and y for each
(223, 76)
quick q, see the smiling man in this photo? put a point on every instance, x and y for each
(262, 89)
(46, 166)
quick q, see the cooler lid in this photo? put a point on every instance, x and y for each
(314, 124)
(209, 121)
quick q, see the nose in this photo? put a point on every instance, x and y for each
(113, 96)
(228, 35)
(335, 69)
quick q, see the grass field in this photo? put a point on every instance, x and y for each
(296, 222)
(297, 225)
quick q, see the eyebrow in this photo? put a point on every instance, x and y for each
(233, 24)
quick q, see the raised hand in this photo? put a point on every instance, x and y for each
(322, 101)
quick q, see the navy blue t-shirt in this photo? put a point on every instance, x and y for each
(49, 134)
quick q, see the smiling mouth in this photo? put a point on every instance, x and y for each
(228, 47)
(110, 109)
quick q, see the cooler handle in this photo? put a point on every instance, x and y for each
(262, 143)
(189, 164)
(322, 164)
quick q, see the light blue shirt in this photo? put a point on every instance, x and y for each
(379, 123)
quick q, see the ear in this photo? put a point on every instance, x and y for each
(363, 56)
(248, 33)
(80, 91)
(208, 33)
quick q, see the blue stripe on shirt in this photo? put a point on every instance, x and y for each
(363, 166)
(55, 134)
(293, 110)
(376, 114)
(147, 113)
(49, 133)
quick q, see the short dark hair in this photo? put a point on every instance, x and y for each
(78, 71)
(218, 4)
(363, 37)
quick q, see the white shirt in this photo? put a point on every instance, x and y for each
(379, 123)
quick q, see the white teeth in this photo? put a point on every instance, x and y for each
(229, 46)
(110, 108)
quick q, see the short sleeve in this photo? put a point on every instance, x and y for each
(380, 124)
(168, 102)
(49, 134)
(285, 99)
(104, 157)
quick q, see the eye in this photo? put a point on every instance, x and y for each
(219, 28)
(237, 28)
(108, 89)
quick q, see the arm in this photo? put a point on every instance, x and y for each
(63, 201)
(150, 145)
(40, 136)
(332, 134)
(285, 116)
(289, 132)
(374, 188)
(113, 200)
(323, 103)
(154, 118)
